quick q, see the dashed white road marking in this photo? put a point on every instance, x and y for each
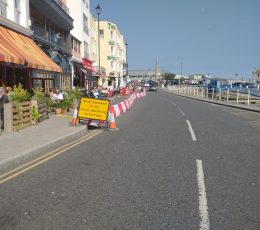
(191, 131)
(182, 113)
(203, 206)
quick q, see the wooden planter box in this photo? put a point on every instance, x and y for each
(42, 109)
(21, 115)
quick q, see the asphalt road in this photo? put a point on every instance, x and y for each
(175, 163)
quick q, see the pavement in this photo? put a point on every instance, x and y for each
(17, 146)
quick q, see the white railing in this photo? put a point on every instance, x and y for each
(238, 96)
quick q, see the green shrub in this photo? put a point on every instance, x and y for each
(35, 114)
(38, 94)
(18, 94)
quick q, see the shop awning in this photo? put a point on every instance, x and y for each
(22, 50)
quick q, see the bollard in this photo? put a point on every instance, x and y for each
(219, 94)
(212, 95)
(248, 96)
(207, 94)
(237, 95)
(227, 95)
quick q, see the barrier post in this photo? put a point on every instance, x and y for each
(227, 95)
(212, 95)
(248, 96)
(207, 94)
(237, 95)
(219, 94)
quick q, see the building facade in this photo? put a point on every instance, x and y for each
(112, 53)
(51, 24)
(20, 56)
(80, 40)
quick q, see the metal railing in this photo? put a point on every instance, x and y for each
(235, 95)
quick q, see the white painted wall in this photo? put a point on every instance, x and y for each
(77, 8)
(24, 12)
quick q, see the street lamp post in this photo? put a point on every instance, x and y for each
(98, 10)
(126, 46)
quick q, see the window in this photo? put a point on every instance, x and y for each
(112, 35)
(85, 24)
(17, 11)
(87, 3)
(112, 66)
(101, 33)
(112, 50)
(3, 5)
(86, 52)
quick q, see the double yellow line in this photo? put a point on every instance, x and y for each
(32, 164)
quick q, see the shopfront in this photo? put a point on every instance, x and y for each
(21, 61)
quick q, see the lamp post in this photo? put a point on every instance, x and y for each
(126, 46)
(98, 10)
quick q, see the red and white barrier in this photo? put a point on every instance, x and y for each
(122, 107)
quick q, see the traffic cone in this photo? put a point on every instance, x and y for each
(112, 122)
(75, 116)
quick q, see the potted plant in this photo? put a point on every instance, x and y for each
(35, 116)
(49, 104)
(64, 106)
(57, 106)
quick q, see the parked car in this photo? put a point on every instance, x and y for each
(146, 84)
(152, 87)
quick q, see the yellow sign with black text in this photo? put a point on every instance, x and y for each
(95, 109)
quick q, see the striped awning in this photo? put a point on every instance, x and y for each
(19, 49)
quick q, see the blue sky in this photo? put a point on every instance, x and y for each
(220, 37)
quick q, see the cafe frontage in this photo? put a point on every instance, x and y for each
(23, 62)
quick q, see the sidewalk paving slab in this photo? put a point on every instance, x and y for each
(16, 145)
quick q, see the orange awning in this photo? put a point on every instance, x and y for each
(19, 49)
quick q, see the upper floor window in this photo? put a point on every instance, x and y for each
(85, 24)
(3, 6)
(86, 50)
(87, 3)
(101, 33)
(17, 11)
(112, 66)
(112, 50)
(112, 35)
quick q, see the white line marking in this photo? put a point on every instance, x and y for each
(191, 131)
(182, 113)
(203, 206)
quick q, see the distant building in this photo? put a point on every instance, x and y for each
(198, 76)
(143, 74)
(256, 76)
(182, 76)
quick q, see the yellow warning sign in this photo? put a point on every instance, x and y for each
(95, 109)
